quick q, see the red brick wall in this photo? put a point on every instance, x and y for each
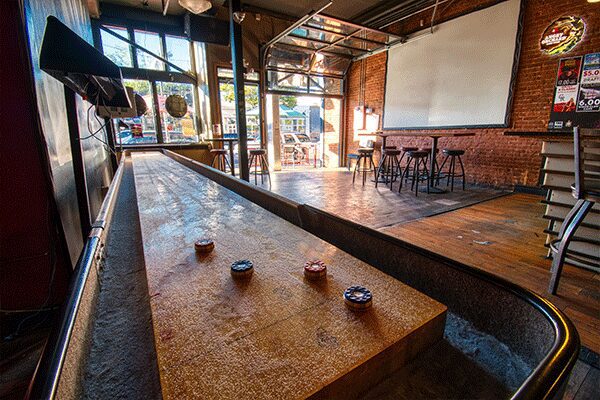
(492, 158)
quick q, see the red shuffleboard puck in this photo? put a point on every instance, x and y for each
(204, 245)
(315, 270)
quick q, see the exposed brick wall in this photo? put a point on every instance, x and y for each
(491, 157)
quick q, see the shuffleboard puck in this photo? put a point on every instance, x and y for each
(204, 245)
(315, 270)
(242, 269)
(358, 297)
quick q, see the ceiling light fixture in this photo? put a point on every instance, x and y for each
(196, 6)
(239, 16)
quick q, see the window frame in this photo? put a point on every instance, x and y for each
(247, 81)
(167, 74)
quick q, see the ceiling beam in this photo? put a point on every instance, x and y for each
(93, 8)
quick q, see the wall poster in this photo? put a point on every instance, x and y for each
(589, 92)
(576, 99)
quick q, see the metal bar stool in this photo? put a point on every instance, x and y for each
(587, 192)
(418, 159)
(365, 155)
(383, 149)
(453, 154)
(406, 149)
(436, 166)
(220, 160)
(389, 167)
(258, 160)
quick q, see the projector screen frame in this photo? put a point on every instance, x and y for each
(513, 79)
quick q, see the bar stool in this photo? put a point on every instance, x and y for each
(389, 167)
(586, 190)
(435, 165)
(220, 160)
(365, 155)
(453, 154)
(349, 158)
(261, 166)
(418, 158)
(406, 149)
(380, 163)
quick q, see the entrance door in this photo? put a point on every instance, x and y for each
(309, 131)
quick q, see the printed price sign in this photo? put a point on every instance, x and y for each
(591, 69)
(588, 99)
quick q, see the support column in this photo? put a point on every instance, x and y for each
(237, 62)
(274, 134)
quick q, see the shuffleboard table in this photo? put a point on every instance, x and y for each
(276, 335)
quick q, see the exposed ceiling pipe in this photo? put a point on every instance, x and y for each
(411, 14)
(93, 8)
(433, 15)
(388, 10)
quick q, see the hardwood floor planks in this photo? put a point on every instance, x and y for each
(503, 236)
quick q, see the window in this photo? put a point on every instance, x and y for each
(142, 129)
(178, 52)
(157, 125)
(227, 103)
(177, 130)
(151, 42)
(117, 50)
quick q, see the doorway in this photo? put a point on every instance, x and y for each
(304, 131)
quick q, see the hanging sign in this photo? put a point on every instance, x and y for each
(562, 35)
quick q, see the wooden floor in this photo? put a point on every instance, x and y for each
(504, 236)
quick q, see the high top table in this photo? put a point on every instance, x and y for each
(277, 335)
(434, 142)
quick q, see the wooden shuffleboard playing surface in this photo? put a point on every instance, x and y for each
(277, 335)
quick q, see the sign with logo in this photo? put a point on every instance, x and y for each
(562, 35)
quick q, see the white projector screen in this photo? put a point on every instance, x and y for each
(459, 76)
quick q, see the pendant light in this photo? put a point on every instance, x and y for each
(195, 6)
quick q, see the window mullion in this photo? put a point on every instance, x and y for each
(163, 45)
(132, 49)
(157, 116)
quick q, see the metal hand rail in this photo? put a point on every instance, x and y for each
(44, 383)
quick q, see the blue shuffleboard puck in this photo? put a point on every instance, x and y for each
(358, 297)
(242, 269)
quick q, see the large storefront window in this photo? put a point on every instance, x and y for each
(227, 103)
(151, 42)
(139, 130)
(155, 80)
(177, 130)
(178, 52)
(117, 50)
